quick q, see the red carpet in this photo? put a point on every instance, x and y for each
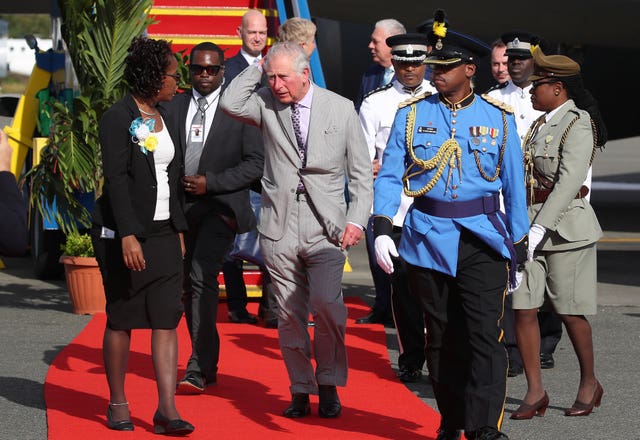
(251, 393)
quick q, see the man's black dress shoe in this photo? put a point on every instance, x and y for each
(192, 383)
(299, 406)
(242, 317)
(271, 323)
(175, 427)
(409, 374)
(374, 317)
(449, 434)
(547, 361)
(118, 425)
(486, 433)
(329, 406)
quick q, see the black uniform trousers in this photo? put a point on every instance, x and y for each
(208, 240)
(407, 314)
(465, 355)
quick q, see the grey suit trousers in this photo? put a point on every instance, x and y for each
(306, 269)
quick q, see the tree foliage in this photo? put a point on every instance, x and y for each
(98, 34)
(25, 24)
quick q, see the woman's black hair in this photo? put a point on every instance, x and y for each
(584, 100)
(146, 65)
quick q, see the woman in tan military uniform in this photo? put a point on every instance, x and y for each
(564, 230)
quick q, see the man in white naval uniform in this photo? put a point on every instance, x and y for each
(377, 113)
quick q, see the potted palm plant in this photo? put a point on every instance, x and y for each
(84, 281)
(97, 34)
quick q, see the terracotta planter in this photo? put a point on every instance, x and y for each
(84, 282)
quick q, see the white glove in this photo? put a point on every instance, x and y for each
(385, 249)
(519, 277)
(536, 234)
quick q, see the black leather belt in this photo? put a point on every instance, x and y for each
(468, 208)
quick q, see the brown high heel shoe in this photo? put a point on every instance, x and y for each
(526, 411)
(584, 409)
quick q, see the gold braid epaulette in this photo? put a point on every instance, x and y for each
(497, 103)
(414, 99)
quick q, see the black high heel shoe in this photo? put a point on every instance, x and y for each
(162, 425)
(118, 425)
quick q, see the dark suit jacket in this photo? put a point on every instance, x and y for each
(236, 64)
(370, 81)
(13, 227)
(128, 201)
(231, 161)
(233, 66)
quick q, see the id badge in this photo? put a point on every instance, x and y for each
(107, 233)
(197, 133)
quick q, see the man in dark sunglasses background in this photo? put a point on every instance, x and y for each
(222, 159)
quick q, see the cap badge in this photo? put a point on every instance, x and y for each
(516, 42)
(409, 49)
(439, 44)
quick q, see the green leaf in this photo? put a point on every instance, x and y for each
(98, 35)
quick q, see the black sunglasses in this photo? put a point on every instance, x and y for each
(197, 69)
(540, 82)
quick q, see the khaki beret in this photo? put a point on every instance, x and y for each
(552, 66)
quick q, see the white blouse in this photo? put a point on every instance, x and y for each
(162, 156)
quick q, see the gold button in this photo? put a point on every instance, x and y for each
(455, 196)
(453, 130)
(484, 149)
(454, 186)
(454, 114)
(428, 144)
(453, 121)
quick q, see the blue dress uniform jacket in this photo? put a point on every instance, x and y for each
(478, 127)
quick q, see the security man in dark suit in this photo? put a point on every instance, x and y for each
(253, 32)
(223, 157)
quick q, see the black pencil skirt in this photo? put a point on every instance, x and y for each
(147, 299)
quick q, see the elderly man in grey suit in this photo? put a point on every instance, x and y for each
(313, 141)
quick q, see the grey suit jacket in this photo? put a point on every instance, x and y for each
(571, 223)
(336, 150)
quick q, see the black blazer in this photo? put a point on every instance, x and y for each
(233, 66)
(236, 64)
(232, 161)
(129, 193)
(370, 81)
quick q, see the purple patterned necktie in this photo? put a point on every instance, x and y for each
(295, 120)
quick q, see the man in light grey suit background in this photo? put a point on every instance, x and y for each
(306, 226)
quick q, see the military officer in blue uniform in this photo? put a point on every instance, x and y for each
(454, 152)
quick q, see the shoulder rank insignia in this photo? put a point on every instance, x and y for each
(379, 89)
(414, 99)
(497, 103)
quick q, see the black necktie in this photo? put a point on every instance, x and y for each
(194, 147)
